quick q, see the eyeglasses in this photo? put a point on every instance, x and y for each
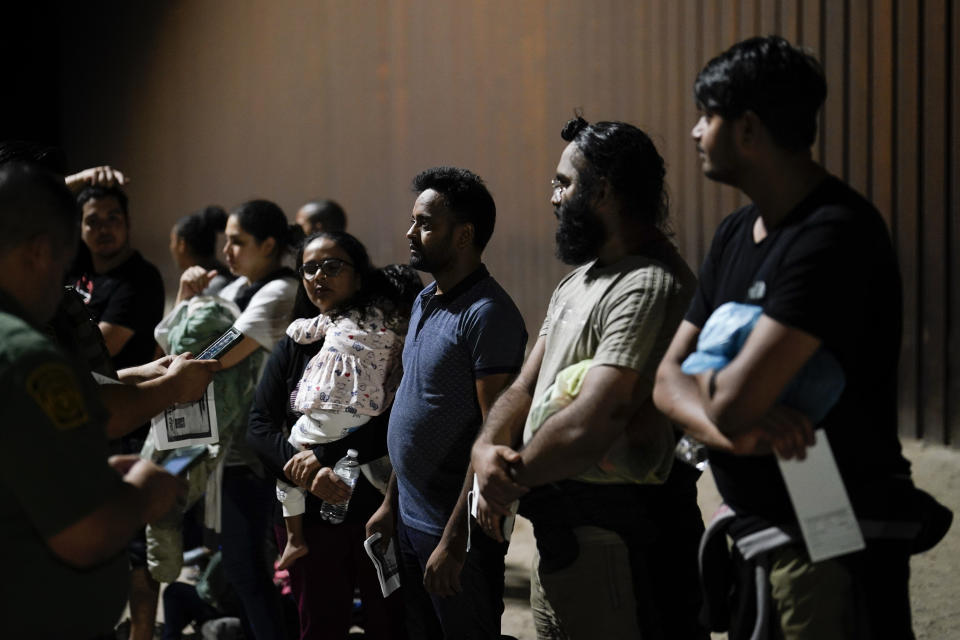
(331, 267)
(557, 186)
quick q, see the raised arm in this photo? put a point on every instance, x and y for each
(192, 281)
(103, 176)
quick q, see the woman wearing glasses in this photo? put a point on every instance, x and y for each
(353, 377)
(329, 380)
(258, 237)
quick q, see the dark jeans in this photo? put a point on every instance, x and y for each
(246, 511)
(475, 611)
(323, 584)
(182, 606)
(882, 589)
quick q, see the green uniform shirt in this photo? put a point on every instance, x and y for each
(53, 473)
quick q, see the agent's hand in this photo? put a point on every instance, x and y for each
(329, 487)
(123, 463)
(144, 372)
(161, 490)
(193, 281)
(190, 377)
(492, 464)
(442, 574)
(301, 468)
(103, 176)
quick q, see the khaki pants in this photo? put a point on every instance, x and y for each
(863, 595)
(591, 598)
(811, 600)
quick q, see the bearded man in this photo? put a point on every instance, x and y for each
(577, 435)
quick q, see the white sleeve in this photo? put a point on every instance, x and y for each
(266, 317)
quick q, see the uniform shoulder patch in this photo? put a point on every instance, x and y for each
(53, 386)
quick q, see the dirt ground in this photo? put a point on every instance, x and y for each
(935, 581)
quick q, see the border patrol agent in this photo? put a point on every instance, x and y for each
(66, 512)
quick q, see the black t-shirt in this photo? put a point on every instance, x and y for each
(830, 271)
(129, 295)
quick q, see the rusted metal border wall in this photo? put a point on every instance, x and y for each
(222, 101)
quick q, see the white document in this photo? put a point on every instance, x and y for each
(187, 424)
(820, 500)
(473, 505)
(384, 559)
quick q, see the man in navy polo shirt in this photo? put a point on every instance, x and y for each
(465, 343)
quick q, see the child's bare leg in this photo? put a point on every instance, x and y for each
(296, 545)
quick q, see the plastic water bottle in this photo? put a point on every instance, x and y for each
(349, 470)
(692, 452)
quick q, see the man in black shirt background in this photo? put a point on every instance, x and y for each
(124, 292)
(817, 258)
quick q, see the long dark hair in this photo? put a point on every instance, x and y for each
(627, 158)
(199, 231)
(263, 219)
(391, 289)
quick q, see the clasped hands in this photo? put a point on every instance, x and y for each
(306, 471)
(496, 467)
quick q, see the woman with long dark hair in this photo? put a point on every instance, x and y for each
(258, 237)
(193, 242)
(336, 277)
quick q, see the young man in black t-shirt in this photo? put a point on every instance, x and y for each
(817, 258)
(123, 292)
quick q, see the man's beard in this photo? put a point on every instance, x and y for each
(419, 262)
(438, 257)
(580, 233)
(108, 254)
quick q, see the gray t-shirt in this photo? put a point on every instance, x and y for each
(622, 315)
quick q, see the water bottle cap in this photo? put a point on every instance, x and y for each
(352, 453)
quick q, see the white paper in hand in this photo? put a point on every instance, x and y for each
(506, 523)
(820, 500)
(384, 558)
(187, 424)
